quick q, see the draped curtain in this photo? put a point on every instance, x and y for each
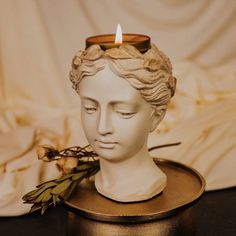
(38, 39)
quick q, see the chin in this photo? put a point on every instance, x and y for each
(109, 155)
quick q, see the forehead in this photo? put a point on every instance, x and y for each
(106, 86)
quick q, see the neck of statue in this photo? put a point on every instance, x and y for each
(133, 179)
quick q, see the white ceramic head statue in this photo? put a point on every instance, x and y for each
(124, 95)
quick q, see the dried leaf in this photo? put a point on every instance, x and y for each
(55, 199)
(45, 183)
(77, 176)
(61, 187)
(35, 207)
(47, 195)
(45, 207)
(82, 167)
(69, 191)
(39, 198)
(35, 193)
(52, 191)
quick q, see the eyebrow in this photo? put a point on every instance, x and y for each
(112, 102)
(123, 102)
(90, 99)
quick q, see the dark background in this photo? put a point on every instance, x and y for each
(214, 215)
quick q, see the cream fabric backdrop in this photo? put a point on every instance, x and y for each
(38, 39)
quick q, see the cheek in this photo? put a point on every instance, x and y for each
(89, 125)
(133, 131)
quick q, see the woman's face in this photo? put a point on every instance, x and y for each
(115, 117)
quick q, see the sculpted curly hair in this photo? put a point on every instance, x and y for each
(150, 73)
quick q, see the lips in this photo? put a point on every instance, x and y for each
(106, 144)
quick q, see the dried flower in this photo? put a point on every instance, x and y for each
(47, 153)
(77, 163)
(67, 164)
(53, 191)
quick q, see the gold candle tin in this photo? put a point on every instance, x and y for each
(107, 41)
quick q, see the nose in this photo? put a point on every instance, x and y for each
(105, 122)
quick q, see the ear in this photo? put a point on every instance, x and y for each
(156, 118)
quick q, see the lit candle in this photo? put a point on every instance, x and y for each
(106, 41)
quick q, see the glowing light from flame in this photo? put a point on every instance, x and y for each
(118, 34)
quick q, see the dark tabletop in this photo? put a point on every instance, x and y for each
(214, 214)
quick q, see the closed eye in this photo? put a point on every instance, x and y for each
(90, 110)
(126, 115)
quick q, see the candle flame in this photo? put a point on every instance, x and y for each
(118, 34)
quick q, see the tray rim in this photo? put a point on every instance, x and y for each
(146, 217)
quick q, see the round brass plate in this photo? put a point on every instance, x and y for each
(184, 187)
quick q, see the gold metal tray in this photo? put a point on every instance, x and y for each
(184, 187)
